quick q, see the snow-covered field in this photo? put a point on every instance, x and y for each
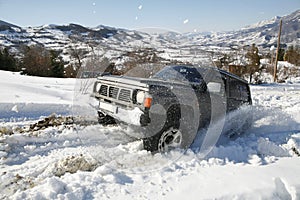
(53, 158)
(24, 97)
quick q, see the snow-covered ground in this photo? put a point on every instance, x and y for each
(54, 158)
(24, 97)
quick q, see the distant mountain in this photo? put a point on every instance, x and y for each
(114, 41)
(4, 26)
(67, 38)
(263, 34)
(268, 30)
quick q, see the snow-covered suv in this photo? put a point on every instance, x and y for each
(168, 109)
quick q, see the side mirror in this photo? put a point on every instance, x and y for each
(214, 87)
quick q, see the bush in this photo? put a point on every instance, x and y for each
(7, 61)
(292, 55)
(38, 61)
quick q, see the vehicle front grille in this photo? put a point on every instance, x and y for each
(103, 90)
(113, 92)
(124, 95)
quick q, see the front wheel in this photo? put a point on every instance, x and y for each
(170, 139)
(178, 132)
(166, 140)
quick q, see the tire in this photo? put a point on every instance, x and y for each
(175, 134)
(170, 139)
(166, 140)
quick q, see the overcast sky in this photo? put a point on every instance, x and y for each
(176, 15)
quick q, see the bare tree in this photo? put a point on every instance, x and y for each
(36, 61)
(253, 61)
(78, 54)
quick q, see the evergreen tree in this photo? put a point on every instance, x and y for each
(57, 65)
(7, 61)
(281, 54)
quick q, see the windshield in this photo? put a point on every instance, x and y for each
(181, 73)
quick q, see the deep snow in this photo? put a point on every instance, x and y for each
(88, 161)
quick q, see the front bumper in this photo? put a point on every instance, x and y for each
(135, 116)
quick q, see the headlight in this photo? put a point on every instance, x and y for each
(97, 88)
(140, 96)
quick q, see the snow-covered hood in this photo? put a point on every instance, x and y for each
(139, 82)
(124, 80)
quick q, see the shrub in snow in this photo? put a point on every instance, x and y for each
(51, 120)
(296, 151)
(6, 131)
(72, 164)
(13, 183)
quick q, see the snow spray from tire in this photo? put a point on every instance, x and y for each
(100, 143)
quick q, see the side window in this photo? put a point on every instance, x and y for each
(233, 89)
(244, 92)
(238, 90)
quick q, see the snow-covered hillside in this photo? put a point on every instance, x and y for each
(53, 158)
(113, 42)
